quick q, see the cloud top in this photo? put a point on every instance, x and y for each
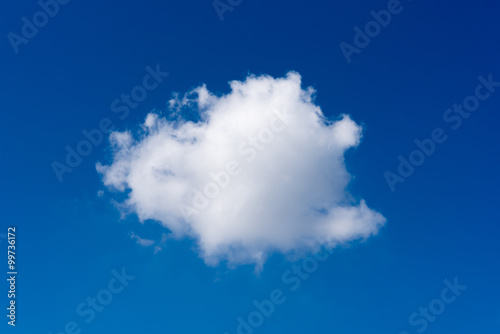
(260, 170)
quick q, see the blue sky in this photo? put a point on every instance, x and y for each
(441, 223)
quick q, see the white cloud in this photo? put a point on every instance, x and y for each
(140, 241)
(261, 171)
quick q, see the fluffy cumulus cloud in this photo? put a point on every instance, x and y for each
(259, 170)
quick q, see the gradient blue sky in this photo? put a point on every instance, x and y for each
(442, 222)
